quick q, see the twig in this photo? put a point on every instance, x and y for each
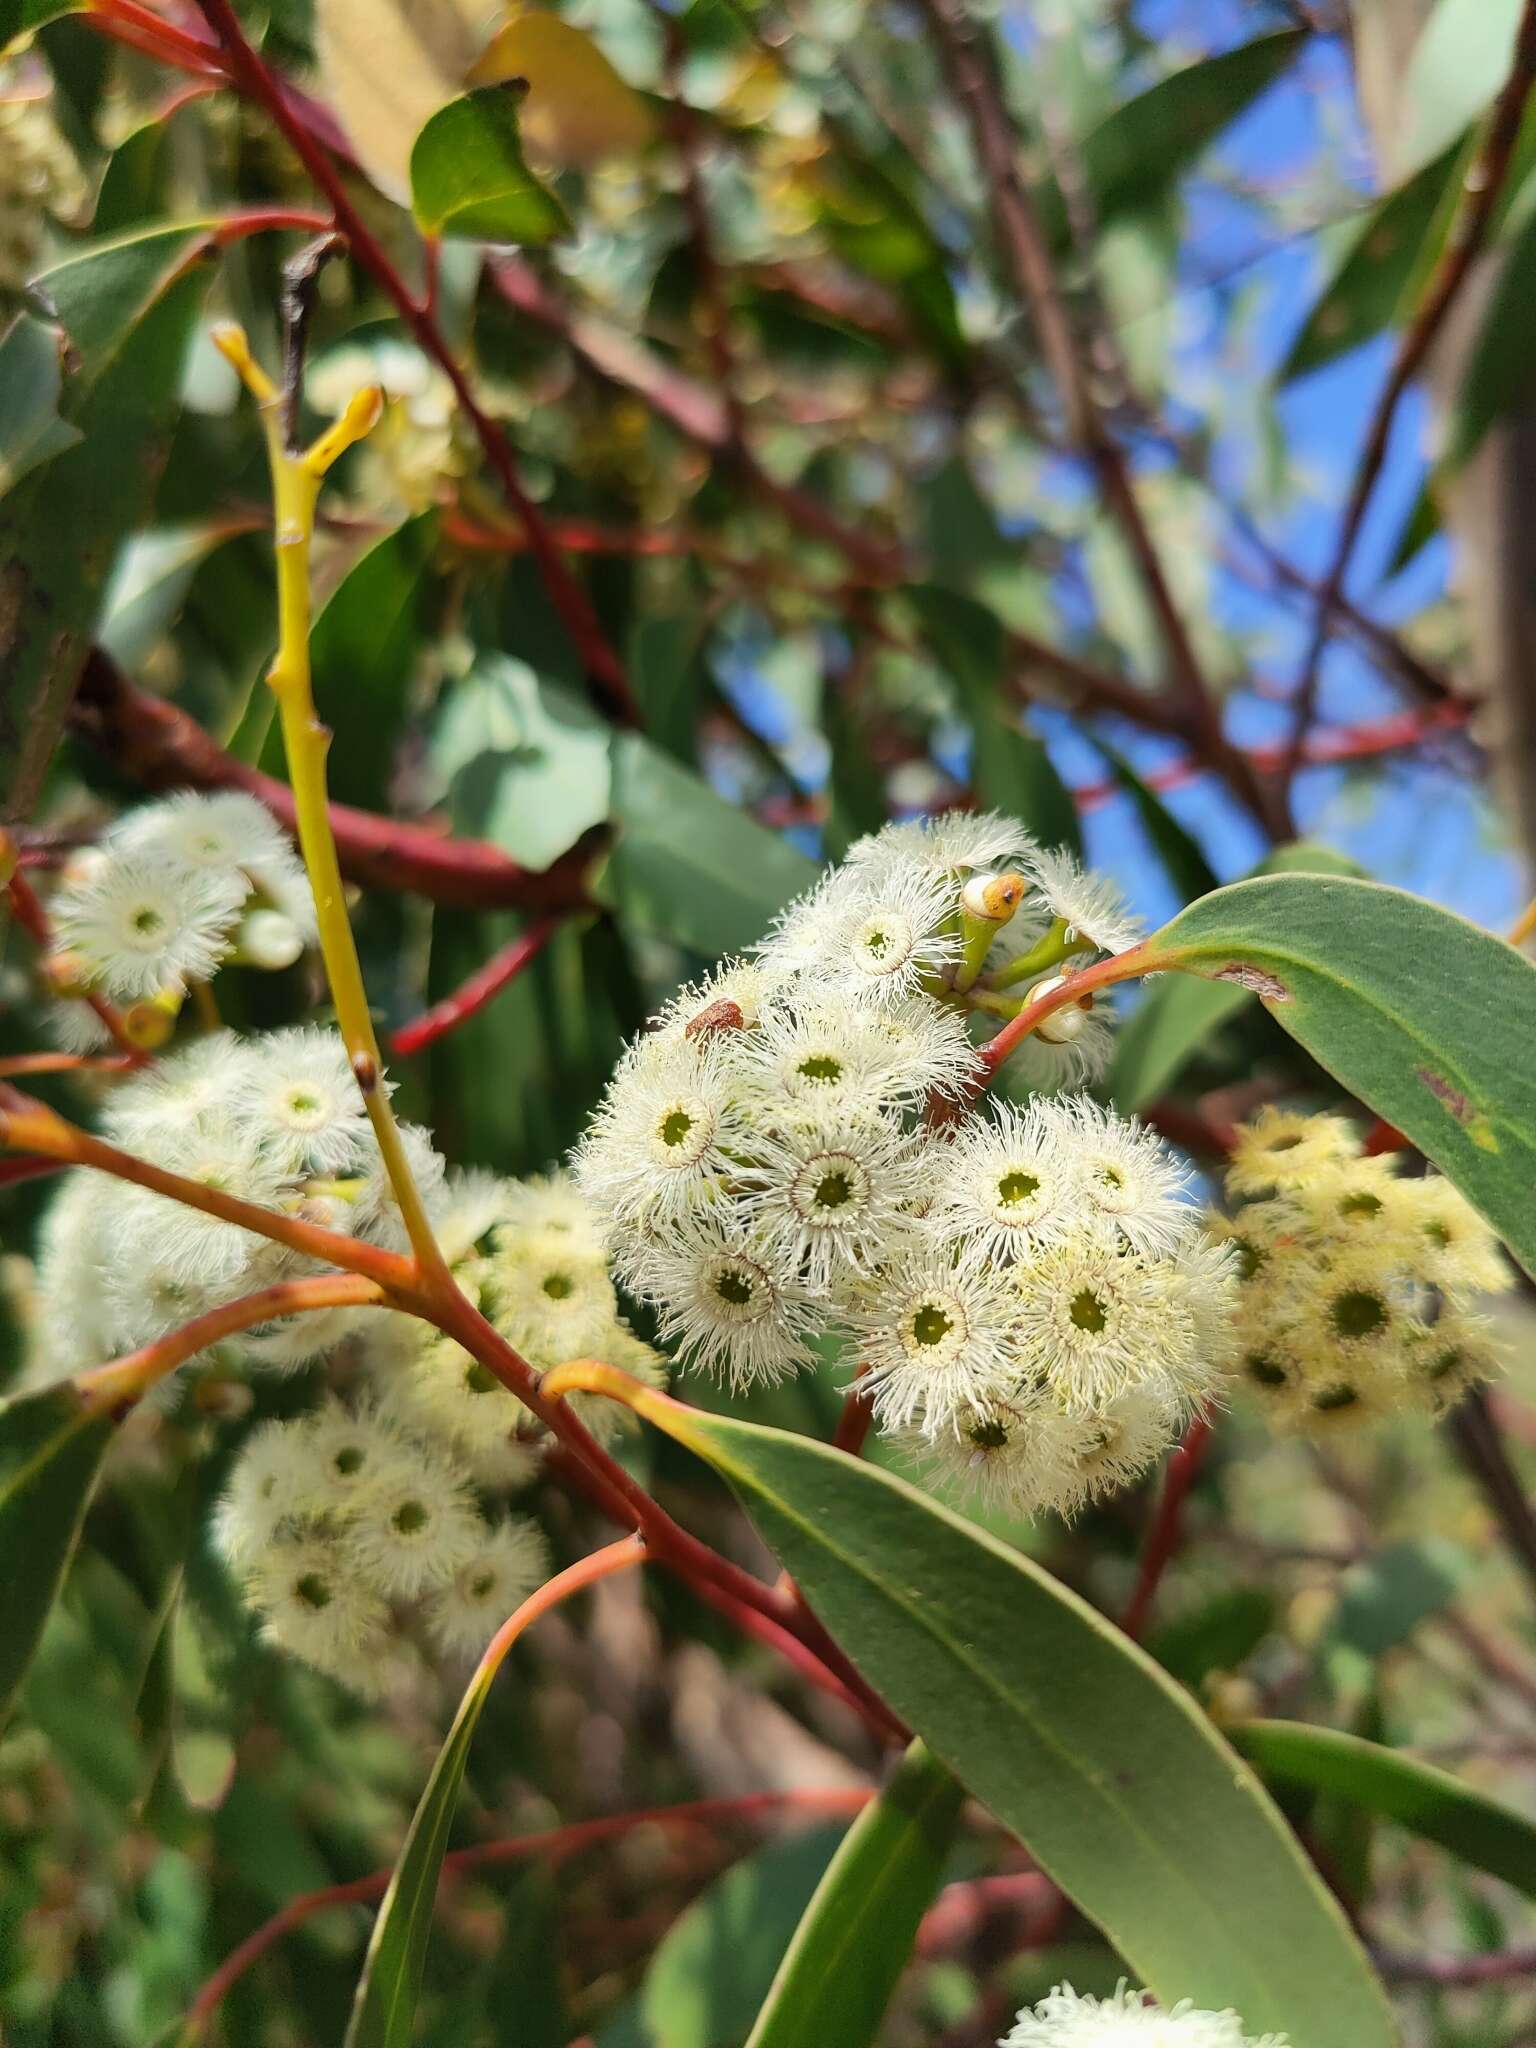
(1167, 1528)
(250, 74)
(1468, 233)
(1480, 1447)
(1450, 1971)
(554, 1844)
(1026, 254)
(159, 747)
(472, 996)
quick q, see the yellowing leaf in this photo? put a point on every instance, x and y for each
(578, 109)
(387, 68)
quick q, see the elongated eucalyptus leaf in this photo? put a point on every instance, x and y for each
(1425, 1018)
(1139, 149)
(1104, 1768)
(50, 1453)
(1179, 1013)
(1418, 1796)
(841, 1968)
(384, 2009)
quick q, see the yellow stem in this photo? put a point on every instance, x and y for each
(1524, 925)
(296, 482)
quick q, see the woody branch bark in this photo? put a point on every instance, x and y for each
(160, 747)
(1466, 240)
(1027, 258)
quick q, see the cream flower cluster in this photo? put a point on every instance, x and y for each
(173, 891)
(1030, 1295)
(1127, 2019)
(351, 1535)
(1358, 1282)
(39, 176)
(278, 1121)
(532, 1258)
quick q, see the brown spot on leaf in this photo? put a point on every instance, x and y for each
(1246, 975)
(1447, 1093)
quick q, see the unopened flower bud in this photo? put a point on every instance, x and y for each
(268, 940)
(149, 1024)
(994, 897)
(1068, 1023)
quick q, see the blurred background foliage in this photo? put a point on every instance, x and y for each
(849, 551)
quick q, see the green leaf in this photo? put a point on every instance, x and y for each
(51, 1449)
(712, 1971)
(1427, 1801)
(526, 760)
(1179, 1014)
(1365, 293)
(384, 2010)
(1139, 149)
(688, 864)
(100, 294)
(1383, 1599)
(1176, 847)
(841, 1968)
(60, 529)
(1422, 1016)
(468, 176)
(19, 18)
(1104, 1768)
(31, 430)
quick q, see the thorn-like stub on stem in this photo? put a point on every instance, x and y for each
(365, 1071)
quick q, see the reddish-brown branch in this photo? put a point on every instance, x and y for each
(1166, 1532)
(251, 76)
(499, 971)
(23, 1064)
(159, 747)
(556, 1845)
(1467, 237)
(1026, 255)
(20, 1166)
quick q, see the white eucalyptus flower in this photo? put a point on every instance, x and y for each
(1127, 2019)
(664, 1137)
(949, 843)
(509, 1562)
(935, 1338)
(315, 1603)
(831, 1196)
(1129, 1176)
(1006, 1182)
(727, 1300)
(300, 1093)
(140, 925)
(415, 1531)
(1089, 904)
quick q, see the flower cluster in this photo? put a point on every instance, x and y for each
(348, 1532)
(1358, 1282)
(278, 1121)
(1126, 2019)
(1029, 1295)
(173, 891)
(531, 1257)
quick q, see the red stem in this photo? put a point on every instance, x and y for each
(1167, 1528)
(473, 995)
(555, 1843)
(160, 747)
(250, 74)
